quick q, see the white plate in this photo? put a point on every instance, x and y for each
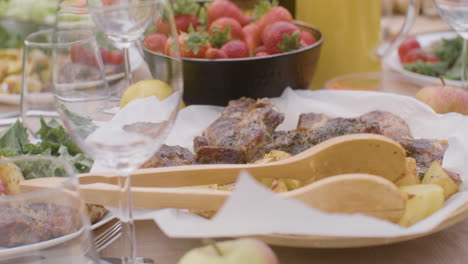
(393, 60)
(10, 252)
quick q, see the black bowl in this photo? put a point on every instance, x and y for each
(215, 82)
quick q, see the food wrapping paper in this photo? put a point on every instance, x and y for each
(253, 209)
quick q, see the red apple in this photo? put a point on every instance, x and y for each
(444, 99)
(248, 251)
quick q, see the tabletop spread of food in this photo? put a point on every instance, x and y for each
(223, 31)
(245, 132)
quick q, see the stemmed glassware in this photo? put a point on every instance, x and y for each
(119, 136)
(124, 22)
(48, 225)
(455, 13)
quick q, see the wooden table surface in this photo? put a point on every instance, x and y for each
(447, 247)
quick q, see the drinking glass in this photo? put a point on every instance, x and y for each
(36, 91)
(455, 13)
(121, 134)
(124, 22)
(49, 225)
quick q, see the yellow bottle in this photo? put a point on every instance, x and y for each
(351, 30)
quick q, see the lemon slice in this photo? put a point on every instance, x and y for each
(146, 88)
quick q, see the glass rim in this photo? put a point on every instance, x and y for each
(29, 42)
(70, 179)
(141, 3)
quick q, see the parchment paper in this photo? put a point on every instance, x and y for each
(254, 210)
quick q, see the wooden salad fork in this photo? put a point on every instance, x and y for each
(353, 160)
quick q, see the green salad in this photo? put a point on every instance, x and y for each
(447, 63)
(55, 141)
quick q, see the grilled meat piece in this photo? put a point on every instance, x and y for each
(390, 125)
(240, 134)
(169, 156)
(316, 128)
(424, 151)
(36, 222)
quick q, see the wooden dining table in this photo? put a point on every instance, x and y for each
(449, 246)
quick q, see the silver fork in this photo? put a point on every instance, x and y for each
(107, 237)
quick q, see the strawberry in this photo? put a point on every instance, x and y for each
(220, 37)
(263, 7)
(260, 49)
(307, 38)
(262, 54)
(155, 42)
(168, 50)
(281, 37)
(252, 37)
(223, 22)
(275, 14)
(162, 26)
(184, 16)
(235, 49)
(183, 22)
(225, 8)
(213, 53)
(191, 45)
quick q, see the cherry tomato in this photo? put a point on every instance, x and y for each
(413, 56)
(431, 58)
(116, 57)
(411, 43)
(105, 54)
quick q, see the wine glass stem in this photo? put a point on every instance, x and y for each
(128, 226)
(464, 58)
(128, 71)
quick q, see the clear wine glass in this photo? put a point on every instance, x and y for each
(124, 22)
(455, 13)
(43, 226)
(120, 134)
(36, 91)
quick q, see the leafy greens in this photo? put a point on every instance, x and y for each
(55, 141)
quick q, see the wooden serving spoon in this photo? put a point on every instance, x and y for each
(358, 153)
(348, 193)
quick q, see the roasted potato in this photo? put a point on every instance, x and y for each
(274, 155)
(411, 176)
(422, 201)
(437, 175)
(11, 175)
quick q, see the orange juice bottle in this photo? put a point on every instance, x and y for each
(351, 31)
